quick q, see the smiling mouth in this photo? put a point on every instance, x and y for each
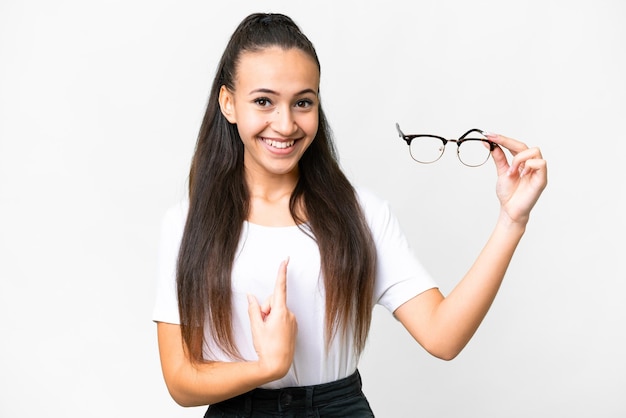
(278, 144)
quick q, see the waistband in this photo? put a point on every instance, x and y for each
(313, 396)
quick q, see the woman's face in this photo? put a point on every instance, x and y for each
(275, 106)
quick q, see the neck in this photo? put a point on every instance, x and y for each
(269, 199)
(271, 186)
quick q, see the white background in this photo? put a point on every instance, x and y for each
(100, 104)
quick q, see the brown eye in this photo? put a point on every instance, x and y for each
(305, 103)
(262, 101)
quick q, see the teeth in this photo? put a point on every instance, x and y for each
(279, 144)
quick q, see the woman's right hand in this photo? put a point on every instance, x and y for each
(274, 328)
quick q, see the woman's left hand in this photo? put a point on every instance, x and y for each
(521, 181)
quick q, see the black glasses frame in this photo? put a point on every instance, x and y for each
(463, 138)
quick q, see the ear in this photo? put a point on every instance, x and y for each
(227, 104)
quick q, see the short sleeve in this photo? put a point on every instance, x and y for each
(399, 274)
(166, 303)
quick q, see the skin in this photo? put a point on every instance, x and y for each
(275, 101)
(274, 331)
(443, 326)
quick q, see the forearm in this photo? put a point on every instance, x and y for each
(206, 383)
(457, 317)
(209, 383)
(274, 329)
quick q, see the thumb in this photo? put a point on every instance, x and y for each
(254, 310)
(499, 158)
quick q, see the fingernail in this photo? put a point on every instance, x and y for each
(489, 134)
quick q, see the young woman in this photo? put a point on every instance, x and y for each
(266, 193)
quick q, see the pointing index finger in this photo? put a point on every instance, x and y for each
(280, 289)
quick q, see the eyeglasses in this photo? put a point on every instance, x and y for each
(473, 151)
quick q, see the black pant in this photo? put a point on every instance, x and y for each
(342, 399)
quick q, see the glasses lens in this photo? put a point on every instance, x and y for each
(426, 149)
(473, 152)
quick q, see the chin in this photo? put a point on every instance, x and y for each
(283, 171)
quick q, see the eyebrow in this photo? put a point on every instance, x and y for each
(270, 91)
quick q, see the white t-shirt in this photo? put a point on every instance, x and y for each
(399, 277)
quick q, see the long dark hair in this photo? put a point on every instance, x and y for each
(219, 204)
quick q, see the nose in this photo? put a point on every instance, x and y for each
(283, 122)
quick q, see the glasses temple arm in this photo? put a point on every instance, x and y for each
(480, 131)
(402, 135)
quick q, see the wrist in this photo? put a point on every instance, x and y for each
(268, 371)
(511, 225)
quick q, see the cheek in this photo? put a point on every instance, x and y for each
(252, 123)
(310, 124)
